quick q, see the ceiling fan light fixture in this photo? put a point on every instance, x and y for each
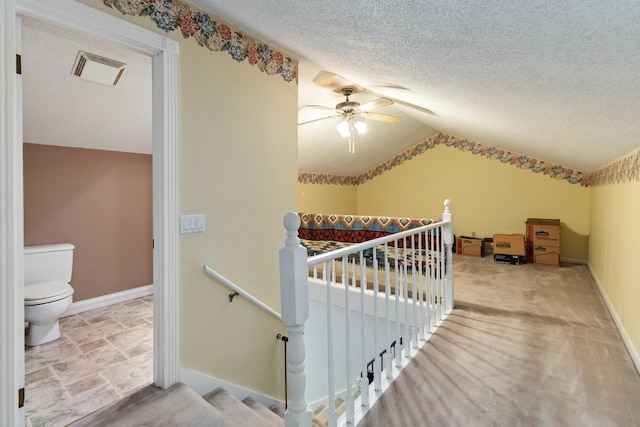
(344, 128)
(360, 126)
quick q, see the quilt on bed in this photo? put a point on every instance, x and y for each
(353, 228)
(321, 233)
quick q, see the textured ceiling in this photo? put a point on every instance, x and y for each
(557, 81)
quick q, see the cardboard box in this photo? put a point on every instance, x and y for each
(509, 244)
(469, 246)
(543, 232)
(548, 255)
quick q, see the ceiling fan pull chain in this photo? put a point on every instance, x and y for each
(352, 141)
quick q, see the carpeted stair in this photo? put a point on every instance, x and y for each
(242, 413)
(181, 406)
(321, 412)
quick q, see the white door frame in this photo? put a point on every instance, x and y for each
(164, 54)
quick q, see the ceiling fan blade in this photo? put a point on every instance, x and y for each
(406, 104)
(322, 107)
(376, 103)
(335, 82)
(321, 118)
(389, 86)
(380, 117)
(415, 107)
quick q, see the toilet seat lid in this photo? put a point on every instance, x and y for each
(50, 291)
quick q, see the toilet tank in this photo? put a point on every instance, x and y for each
(44, 263)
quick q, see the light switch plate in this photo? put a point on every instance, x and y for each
(192, 223)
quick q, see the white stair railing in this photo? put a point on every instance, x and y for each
(417, 268)
(294, 303)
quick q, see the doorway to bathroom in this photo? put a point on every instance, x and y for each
(87, 168)
(163, 52)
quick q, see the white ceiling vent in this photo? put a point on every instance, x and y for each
(99, 69)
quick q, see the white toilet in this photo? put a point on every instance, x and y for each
(47, 292)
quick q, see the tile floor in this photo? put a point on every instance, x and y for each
(102, 355)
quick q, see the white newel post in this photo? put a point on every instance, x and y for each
(294, 305)
(448, 243)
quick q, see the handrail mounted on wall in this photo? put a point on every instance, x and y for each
(238, 290)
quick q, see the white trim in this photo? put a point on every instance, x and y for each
(109, 299)
(203, 384)
(166, 301)
(164, 51)
(579, 261)
(11, 222)
(85, 19)
(633, 352)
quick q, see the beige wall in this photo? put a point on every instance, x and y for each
(238, 167)
(599, 223)
(237, 161)
(614, 251)
(101, 202)
(338, 199)
(488, 197)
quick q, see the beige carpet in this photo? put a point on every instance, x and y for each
(151, 406)
(526, 345)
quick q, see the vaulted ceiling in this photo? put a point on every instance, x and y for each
(557, 81)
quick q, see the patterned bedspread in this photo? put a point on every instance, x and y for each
(353, 228)
(316, 247)
(325, 233)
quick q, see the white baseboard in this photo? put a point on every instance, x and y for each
(574, 261)
(104, 300)
(633, 352)
(203, 384)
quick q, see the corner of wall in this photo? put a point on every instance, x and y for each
(628, 342)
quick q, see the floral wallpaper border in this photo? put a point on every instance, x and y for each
(626, 169)
(214, 34)
(218, 36)
(493, 153)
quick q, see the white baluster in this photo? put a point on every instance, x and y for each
(348, 351)
(405, 278)
(448, 240)
(330, 362)
(387, 295)
(439, 274)
(376, 345)
(397, 292)
(442, 262)
(431, 278)
(414, 288)
(364, 384)
(294, 304)
(420, 289)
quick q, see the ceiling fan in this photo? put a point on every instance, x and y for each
(335, 82)
(351, 111)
